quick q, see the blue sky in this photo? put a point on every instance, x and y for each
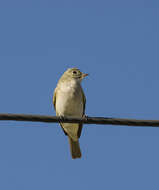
(117, 43)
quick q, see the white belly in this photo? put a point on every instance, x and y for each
(69, 103)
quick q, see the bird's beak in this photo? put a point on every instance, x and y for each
(84, 75)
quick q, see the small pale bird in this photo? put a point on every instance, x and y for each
(69, 100)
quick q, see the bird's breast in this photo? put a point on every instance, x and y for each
(69, 101)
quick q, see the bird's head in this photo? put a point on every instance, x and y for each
(75, 74)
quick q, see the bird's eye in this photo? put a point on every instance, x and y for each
(74, 72)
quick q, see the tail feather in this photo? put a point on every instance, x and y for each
(74, 148)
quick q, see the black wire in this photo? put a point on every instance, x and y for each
(86, 120)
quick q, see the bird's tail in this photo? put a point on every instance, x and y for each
(74, 148)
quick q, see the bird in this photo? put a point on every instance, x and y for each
(69, 100)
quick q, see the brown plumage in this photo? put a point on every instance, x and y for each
(69, 100)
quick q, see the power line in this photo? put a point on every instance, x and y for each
(86, 120)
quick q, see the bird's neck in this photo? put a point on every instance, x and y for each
(70, 84)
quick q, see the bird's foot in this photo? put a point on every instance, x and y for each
(61, 118)
(85, 117)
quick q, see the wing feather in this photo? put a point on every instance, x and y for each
(54, 99)
(84, 106)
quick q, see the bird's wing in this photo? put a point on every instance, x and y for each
(54, 99)
(54, 103)
(84, 106)
(84, 102)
